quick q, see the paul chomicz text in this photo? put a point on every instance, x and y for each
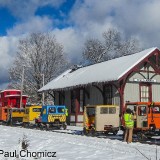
(26, 153)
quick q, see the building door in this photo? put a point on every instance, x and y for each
(107, 91)
(77, 103)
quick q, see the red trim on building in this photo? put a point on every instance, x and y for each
(150, 91)
(122, 81)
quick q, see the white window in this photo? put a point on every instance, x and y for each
(145, 93)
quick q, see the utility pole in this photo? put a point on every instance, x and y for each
(22, 81)
(43, 92)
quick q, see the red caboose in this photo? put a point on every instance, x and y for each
(11, 97)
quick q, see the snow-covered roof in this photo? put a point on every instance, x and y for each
(9, 90)
(111, 70)
(16, 95)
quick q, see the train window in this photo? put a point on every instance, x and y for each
(52, 110)
(104, 110)
(112, 110)
(132, 107)
(5, 110)
(36, 109)
(60, 110)
(91, 111)
(142, 110)
(156, 109)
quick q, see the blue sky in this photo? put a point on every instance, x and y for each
(74, 21)
(7, 21)
(59, 13)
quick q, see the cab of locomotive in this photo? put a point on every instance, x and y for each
(52, 116)
(15, 115)
(146, 116)
(89, 117)
(101, 118)
(140, 114)
(50, 113)
(31, 113)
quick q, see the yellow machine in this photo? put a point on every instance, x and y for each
(101, 118)
(31, 113)
(15, 115)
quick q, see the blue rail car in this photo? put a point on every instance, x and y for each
(52, 116)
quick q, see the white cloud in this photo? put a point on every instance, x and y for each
(91, 18)
(73, 39)
(133, 18)
(88, 19)
(8, 46)
(25, 9)
(34, 24)
(72, 42)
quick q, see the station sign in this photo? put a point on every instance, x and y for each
(144, 80)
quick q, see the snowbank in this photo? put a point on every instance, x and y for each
(71, 147)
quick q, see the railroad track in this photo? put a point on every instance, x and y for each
(151, 141)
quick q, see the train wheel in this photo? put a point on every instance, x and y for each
(41, 126)
(57, 124)
(93, 132)
(141, 136)
(47, 127)
(85, 132)
(25, 125)
(64, 126)
(37, 125)
(115, 132)
(106, 133)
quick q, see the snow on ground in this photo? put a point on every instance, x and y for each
(71, 147)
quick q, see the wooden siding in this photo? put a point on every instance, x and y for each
(156, 92)
(131, 92)
(116, 97)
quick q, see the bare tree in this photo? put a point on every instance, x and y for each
(113, 46)
(93, 50)
(129, 47)
(38, 54)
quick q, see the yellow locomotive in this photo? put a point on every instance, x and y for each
(14, 115)
(31, 113)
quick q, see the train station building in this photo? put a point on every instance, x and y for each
(134, 78)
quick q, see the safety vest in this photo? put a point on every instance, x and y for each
(66, 112)
(129, 122)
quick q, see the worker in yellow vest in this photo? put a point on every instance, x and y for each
(66, 112)
(129, 124)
